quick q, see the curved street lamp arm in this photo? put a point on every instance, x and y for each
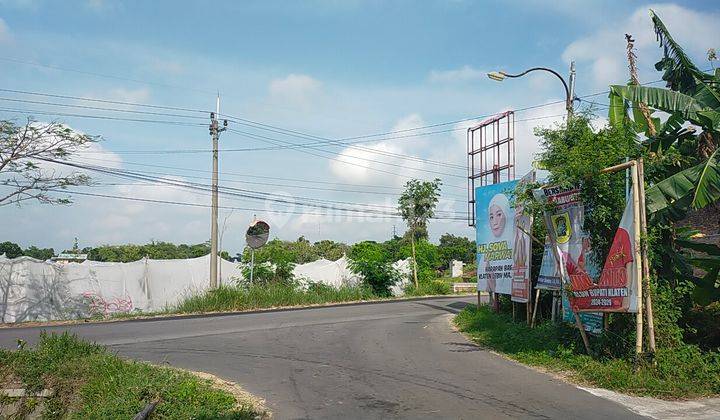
(568, 99)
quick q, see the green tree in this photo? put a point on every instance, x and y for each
(157, 250)
(330, 250)
(10, 249)
(42, 254)
(277, 256)
(417, 205)
(456, 248)
(681, 156)
(393, 247)
(368, 259)
(427, 259)
(25, 149)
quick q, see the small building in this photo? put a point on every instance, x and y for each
(66, 257)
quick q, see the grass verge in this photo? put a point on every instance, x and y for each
(432, 287)
(680, 372)
(237, 298)
(87, 381)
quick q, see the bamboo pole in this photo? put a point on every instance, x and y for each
(637, 258)
(618, 167)
(528, 307)
(645, 262)
(535, 305)
(530, 314)
(583, 334)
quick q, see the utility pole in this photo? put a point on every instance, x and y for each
(215, 131)
(571, 94)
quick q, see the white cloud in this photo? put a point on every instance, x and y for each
(298, 89)
(130, 95)
(603, 52)
(5, 36)
(166, 65)
(370, 163)
(463, 74)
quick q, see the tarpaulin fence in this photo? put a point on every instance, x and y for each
(33, 290)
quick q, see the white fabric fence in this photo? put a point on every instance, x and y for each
(33, 290)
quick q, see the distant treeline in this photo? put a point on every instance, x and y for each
(300, 251)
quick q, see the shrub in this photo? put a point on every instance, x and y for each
(256, 296)
(432, 287)
(427, 257)
(369, 260)
(704, 326)
(90, 382)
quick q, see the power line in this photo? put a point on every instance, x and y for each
(297, 146)
(99, 117)
(104, 101)
(340, 160)
(309, 181)
(99, 108)
(180, 203)
(107, 76)
(243, 193)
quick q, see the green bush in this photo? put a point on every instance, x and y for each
(89, 382)
(682, 371)
(432, 287)
(241, 298)
(266, 273)
(703, 326)
(370, 260)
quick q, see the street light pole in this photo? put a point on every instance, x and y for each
(499, 76)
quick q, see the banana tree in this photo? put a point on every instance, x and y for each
(683, 151)
(693, 101)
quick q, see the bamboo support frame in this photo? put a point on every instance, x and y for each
(535, 306)
(637, 258)
(645, 262)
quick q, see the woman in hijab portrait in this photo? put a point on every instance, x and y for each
(498, 214)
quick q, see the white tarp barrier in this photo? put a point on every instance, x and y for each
(33, 290)
(333, 273)
(403, 267)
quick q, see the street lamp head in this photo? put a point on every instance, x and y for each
(497, 76)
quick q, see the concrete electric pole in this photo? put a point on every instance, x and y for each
(571, 94)
(215, 131)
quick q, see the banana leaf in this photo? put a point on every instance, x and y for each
(701, 182)
(710, 249)
(706, 289)
(663, 99)
(617, 114)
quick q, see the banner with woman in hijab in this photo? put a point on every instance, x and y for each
(495, 234)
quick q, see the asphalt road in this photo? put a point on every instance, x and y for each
(387, 360)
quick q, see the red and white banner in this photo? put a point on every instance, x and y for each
(616, 287)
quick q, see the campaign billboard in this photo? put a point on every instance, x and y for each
(495, 236)
(504, 250)
(612, 289)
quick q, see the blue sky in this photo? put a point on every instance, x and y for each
(328, 68)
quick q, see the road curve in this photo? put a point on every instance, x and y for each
(376, 361)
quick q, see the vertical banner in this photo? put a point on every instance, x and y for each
(522, 249)
(565, 223)
(495, 230)
(549, 277)
(616, 288)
